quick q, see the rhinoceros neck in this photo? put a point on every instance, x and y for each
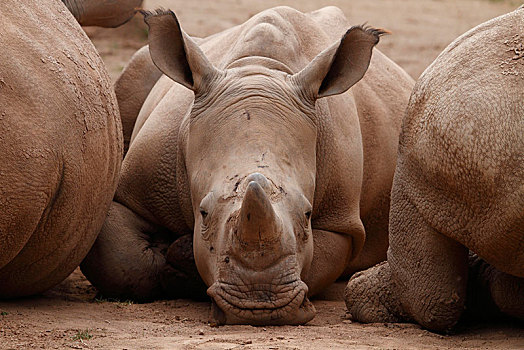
(271, 37)
(267, 62)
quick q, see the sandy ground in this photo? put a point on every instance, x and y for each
(70, 316)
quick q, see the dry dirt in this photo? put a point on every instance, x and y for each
(69, 316)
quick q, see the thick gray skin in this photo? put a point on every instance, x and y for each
(60, 145)
(157, 201)
(130, 96)
(103, 13)
(458, 186)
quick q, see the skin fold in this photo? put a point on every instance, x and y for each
(260, 143)
(457, 187)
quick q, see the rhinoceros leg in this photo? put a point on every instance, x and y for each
(181, 279)
(370, 296)
(124, 262)
(331, 252)
(128, 260)
(491, 291)
(427, 273)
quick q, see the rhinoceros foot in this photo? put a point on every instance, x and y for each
(180, 279)
(368, 296)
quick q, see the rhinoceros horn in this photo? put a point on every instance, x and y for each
(258, 222)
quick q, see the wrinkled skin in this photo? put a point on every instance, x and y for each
(131, 96)
(103, 13)
(457, 186)
(252, 144)
(60, 145)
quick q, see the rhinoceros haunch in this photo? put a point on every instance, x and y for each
(459, 186)
(261, 154)
(60, 145)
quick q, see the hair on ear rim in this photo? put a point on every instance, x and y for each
(165, 21)
(375, 32)
(175, 53)
(361, 37)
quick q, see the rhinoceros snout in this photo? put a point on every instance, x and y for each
(278, 305)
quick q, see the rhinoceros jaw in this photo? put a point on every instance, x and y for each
(294, 308)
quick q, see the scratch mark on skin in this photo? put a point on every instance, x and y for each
(248, 116)
(236, 185)
(261, 160)
(516, 47)
(3, 84)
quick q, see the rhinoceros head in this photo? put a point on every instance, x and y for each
(250, 157)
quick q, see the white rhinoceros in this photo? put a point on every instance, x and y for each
(459, 185)
(60, 145)
(252, 143)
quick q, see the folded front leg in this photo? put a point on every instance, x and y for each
(423, 280)
(128, 260)
(491, 291)
(331, 253)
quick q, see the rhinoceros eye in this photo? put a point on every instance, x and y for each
(206, 206)
(204, 224)
(308, 215)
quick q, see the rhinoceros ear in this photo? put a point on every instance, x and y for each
(174, 52)
(340, 66)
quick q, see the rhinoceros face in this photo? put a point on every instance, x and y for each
(251, 164)
(250, 157)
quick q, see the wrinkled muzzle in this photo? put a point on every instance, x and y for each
(261, 304)
(260, 283)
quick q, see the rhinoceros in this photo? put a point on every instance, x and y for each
(251, 154)
(60, 145)
(102, 13)
(458, 185)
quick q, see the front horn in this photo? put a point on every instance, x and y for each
(258, 219)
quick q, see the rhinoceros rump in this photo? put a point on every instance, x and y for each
(60, 145)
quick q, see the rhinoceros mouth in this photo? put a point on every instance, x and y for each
(262, 304)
